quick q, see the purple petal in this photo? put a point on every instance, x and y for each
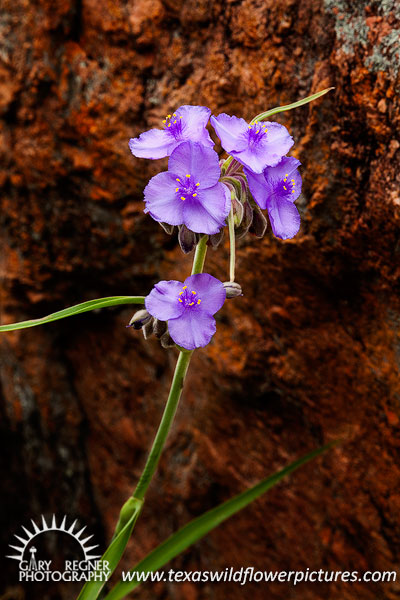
(209, 289)
(216, 201)
(286, 168)
(276, 143)
(284, 217)
(194, 329)
(198, 219)
(231, 131)
(162, 302)
(155, 143)
(194, 121)
(196, 160)
(258, 187)
(162, 201)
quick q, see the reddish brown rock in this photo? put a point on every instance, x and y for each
(309, 354)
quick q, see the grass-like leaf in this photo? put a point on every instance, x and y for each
(112, 555)
(75, 310)
(278, 109)
(196, 529)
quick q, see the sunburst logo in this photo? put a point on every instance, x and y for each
(32, 568)
(52, 526)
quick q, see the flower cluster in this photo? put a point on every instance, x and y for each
(198, 192)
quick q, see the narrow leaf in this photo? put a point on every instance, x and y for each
(75, 310)
(112, 555)
(278, 109)
(196, 529)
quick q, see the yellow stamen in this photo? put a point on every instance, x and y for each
(174, 122)
(177, 190)
(258, 131)
(194, 195)
(180, 300)
(178, 180)
(180, 293)
(184, 287)
(284, 188)
(164, 121)
(197, 184)
(198, 301)
(168, 116)
(169, 124)
(191, 304)
(183, 198)
(174, 114)
(194, 292)
(187, 175)
(292, 180)
(292, 191)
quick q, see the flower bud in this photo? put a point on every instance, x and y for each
(148, 330)
(168, 228)
(238, 211)
(233, 289)
(167, 341)
(159, 328)
(139, 319)
(187, 239)
(259, 224)
(246, 220)
(215, 239)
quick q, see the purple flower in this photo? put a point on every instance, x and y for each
(255, 146)
(189, 193)
(276, 189)
(188, 307)
(188, 123)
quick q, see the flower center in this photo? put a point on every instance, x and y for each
(187, 188)
(256, 132)
(172, 123)
(287, 185)
(188, 298)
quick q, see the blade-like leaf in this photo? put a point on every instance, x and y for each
(277, 109)
(75, 310)
(112, 555)
(196, 529)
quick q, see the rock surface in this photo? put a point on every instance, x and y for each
(309, 354)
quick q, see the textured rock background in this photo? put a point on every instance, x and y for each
(309, 354)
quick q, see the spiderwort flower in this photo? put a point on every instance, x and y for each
(188, 307)
(276, 189)
(188, 123)
(255, 146)
(189, 193)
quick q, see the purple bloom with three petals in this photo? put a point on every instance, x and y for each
(188, 123)
(276, 189)
(255, 146)
(189, 193)
(188, 307)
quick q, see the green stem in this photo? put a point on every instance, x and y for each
(165, 425)
(174, 394)
(231, 226)
(200, 256)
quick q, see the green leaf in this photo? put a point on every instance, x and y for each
(75, 310)
(112, 555)
(196, 529)
(278, 109)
